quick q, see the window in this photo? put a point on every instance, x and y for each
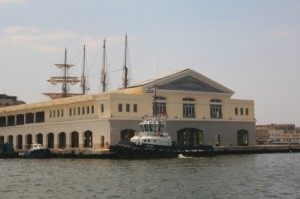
(127, 107)
(83, 110)
(93, 110)
(189, 108)
(102, 108)
(74, 110)
(215, 109)
(50, 114)
(78, 110)
(247, 111)
(236, 111)
(62, 112)
(88, 110)
(70, 111)
(135, 109)
(160, 106)
(57, 113)
(242, 111)
(120, 107)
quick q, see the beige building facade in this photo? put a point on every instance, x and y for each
(197, 110)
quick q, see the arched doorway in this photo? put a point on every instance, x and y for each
(10, 139)
(242, 137)
(74, 139)
(88, 139)
(126, 134)
(2, 139)
(190, 137)
(50, 140)
(28, 139)
(20, 142)
(62, 140)
(39, 138)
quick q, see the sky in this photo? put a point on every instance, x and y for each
(250, 46)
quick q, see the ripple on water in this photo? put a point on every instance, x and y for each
(231, 176)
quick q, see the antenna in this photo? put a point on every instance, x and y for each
(103, 73)
(125, 69)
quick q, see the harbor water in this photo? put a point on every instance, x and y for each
(226, 176)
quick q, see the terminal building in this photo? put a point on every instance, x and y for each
(197, 110)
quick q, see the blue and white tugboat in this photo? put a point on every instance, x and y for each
(152, 141)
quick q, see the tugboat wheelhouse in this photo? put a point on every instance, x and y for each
(198, 111)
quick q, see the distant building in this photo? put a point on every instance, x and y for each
(198, 111)
(6, 100)
(274, 133)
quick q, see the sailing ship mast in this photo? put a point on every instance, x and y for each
(65, 80)
(125, 69)
(103, 73)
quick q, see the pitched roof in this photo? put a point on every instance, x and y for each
(187, 80)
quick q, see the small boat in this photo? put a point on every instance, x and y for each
(36, 151)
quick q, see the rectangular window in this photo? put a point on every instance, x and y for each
(50, 114)
(102, 108)
(247, 111)
(236, 111)
(242, 111)
(93, 110)
(62, 112)
(189, 111)
(74, 110)
(78, 110)
(83, 110)
(88, 110)
(54, 113)
(57, 113)
(120, 108)
(127, 107)
(135, 109)
(160, 108)
(216, 111)
(70, 112)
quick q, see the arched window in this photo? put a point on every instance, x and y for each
(216, 109)
(74, 139)
(188, 108)
(50, 140)
(20, 142)
(88, 139)
(62, 140)
(39, 138)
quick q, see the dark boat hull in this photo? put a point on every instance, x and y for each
(41, 153)
(153, 151)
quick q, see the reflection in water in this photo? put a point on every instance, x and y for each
(230, 176)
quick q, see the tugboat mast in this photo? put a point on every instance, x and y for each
(103, 73)
(83, 78)
(125, 69)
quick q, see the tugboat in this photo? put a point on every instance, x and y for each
(36, 151)
(153, 141)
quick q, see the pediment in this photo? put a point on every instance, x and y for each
(189, 83)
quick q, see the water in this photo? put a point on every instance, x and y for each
(230, 176)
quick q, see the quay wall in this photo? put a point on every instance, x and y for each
(219, 150)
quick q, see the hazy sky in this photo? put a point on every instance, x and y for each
(250, 46)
